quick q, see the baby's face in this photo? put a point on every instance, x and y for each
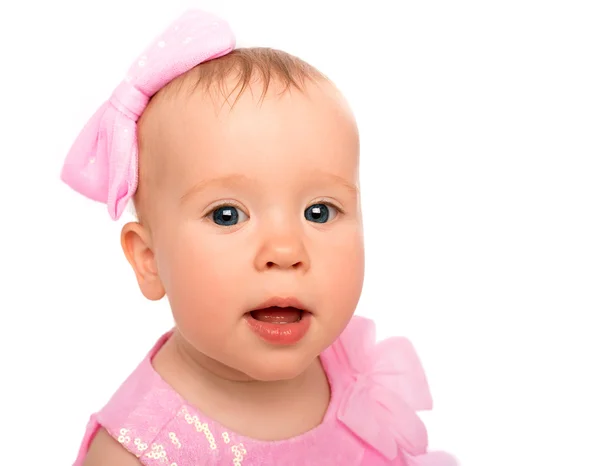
(252, 203)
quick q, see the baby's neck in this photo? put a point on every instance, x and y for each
(285, 408)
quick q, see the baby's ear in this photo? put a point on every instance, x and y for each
(135, 241)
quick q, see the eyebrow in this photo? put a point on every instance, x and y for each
(224, 180)
(336, 179)
(241, 179)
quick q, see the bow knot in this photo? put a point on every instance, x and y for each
(129, 100)
(102, 163)
(389, 388)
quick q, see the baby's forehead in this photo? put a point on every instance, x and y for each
(230, 107)
(246, 95)
(210, 119)
(214, 89)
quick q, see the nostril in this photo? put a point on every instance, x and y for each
(295, 265)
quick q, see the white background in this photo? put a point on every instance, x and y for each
(480, 128)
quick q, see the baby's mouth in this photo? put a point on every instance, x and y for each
(278, 315)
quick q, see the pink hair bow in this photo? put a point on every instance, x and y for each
(380, 407)
(102, 164)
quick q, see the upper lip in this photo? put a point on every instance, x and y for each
(277, 301)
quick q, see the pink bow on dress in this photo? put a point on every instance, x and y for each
(102, 164)
(380, 407)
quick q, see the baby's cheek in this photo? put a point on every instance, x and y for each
(342, 273)
(203, 277)
(346, 259)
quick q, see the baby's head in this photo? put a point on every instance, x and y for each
(243, 169)
(248, 190)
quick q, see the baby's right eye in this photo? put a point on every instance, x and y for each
(227, 215)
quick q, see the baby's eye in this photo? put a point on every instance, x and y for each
(320, 213)
(228, 216)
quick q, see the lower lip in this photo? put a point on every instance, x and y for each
(280, 334)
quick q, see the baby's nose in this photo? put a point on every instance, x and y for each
(283, 252)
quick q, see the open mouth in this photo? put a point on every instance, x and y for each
(278, 315)
(280, 321)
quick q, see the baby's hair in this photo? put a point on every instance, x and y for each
(243, 65)
(233, 72)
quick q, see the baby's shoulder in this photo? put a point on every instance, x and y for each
(104, 450)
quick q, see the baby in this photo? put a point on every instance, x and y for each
(243, 168)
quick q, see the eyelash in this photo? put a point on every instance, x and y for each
(237, 206)
(328, 203)
(224, 204)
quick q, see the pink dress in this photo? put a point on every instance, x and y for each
(371, 420)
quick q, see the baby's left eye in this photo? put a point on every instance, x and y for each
(320, 213)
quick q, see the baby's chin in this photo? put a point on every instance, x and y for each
(272, 363)
(267, 363)
(279, 367)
